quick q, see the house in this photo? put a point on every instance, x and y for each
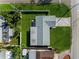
(5, 54)
(5, 31)
(40, 54)
(40, 32)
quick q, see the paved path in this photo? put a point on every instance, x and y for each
(63, 21)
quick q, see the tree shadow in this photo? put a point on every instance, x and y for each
(18, 39)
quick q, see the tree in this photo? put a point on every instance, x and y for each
(16, 17)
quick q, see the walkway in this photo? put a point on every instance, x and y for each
(63, 21)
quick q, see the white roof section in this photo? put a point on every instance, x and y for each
(5, 54)
(8, 55)
(0, 35)
(11, 32)
(32, 54)
(2, 54)
(33, 36)
(46, 34)
(1, 20)
(24, 52)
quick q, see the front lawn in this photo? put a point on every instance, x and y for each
(60, 38)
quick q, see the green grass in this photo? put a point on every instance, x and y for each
(5, 7)
(59, 10)
(60, 38)
(25, 27)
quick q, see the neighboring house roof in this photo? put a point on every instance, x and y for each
(5, 31)
(11, 32)
(0, 35)
(1, 20)
(5, 54)
(41, 32)
(1, 17)
(2, 54)
(41, 54)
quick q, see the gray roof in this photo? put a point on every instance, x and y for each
(1, 17)
(2, 54)
(39, 25)
(5, 54)
(43, 24)
(51, 23)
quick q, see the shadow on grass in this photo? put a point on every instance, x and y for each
(28, 38)
(34, 12)
(18, 39)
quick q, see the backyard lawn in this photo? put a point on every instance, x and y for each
(5, 7)
(60, 38)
